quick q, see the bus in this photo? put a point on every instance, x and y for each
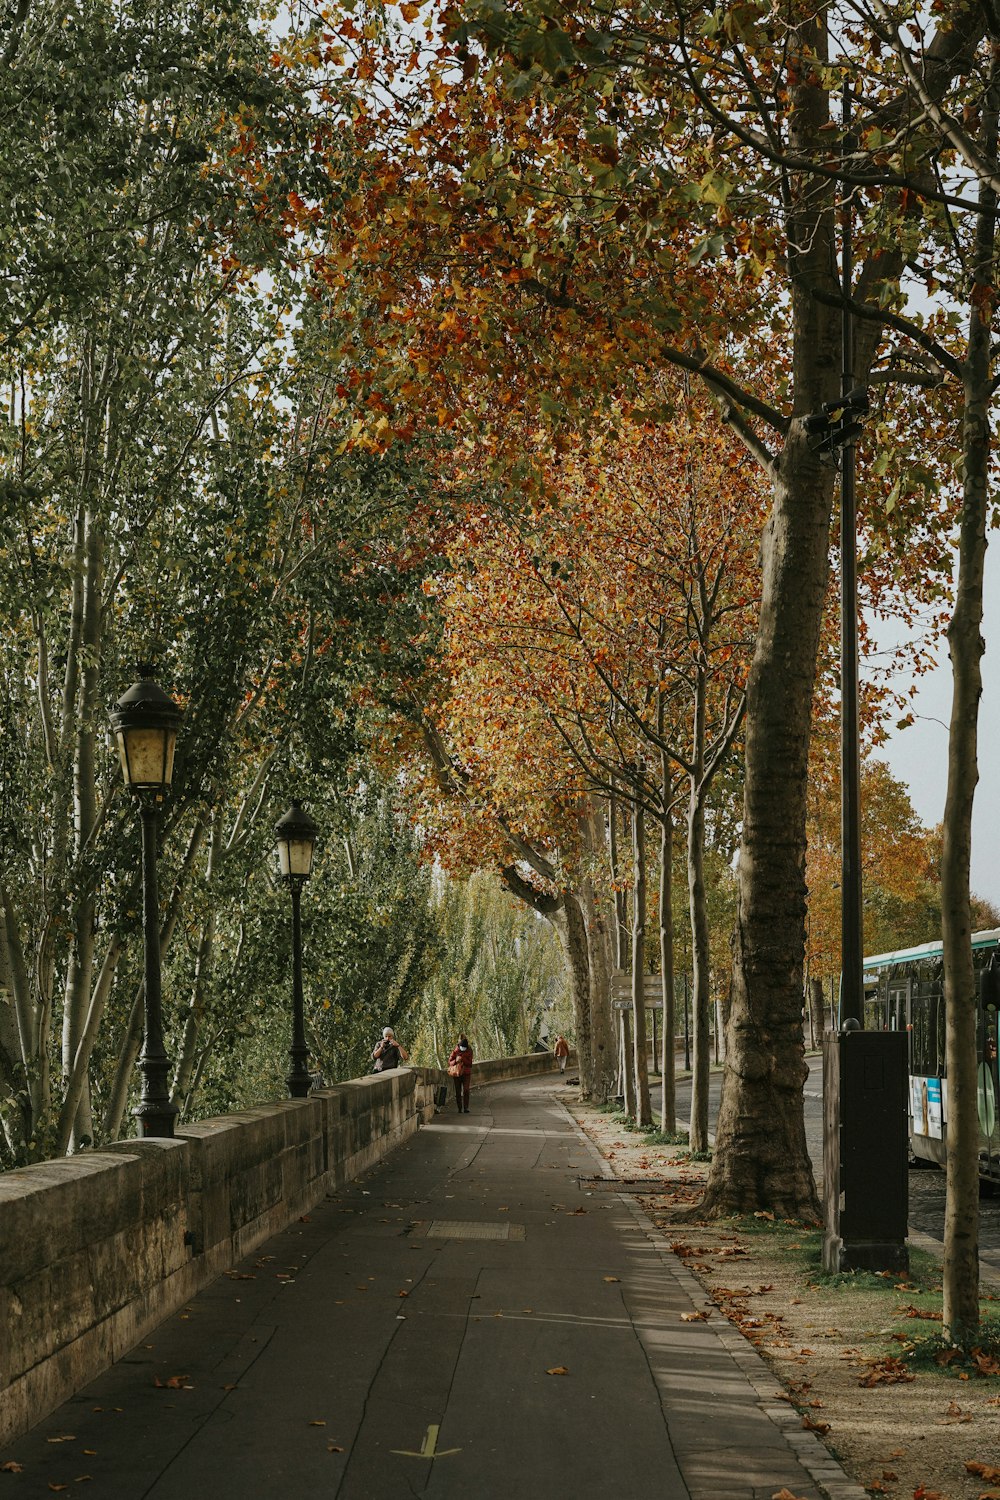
(905, 991)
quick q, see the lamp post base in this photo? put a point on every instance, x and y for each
(299, 1081)
(156, 1119)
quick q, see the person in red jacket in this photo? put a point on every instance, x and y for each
(460, 1070)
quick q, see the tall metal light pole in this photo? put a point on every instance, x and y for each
(295, 835)
(864, 1073)
(145, 723)
(852, 994)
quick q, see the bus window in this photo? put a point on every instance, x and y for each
(874, 1011)
(923, 1036)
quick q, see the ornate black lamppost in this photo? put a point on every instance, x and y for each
(295, 835)
(145, 723)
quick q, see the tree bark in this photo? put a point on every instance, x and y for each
(816, 1011)
(760, 1159)
(572, 929)
(668, 1048)
(644, 1112)
(628, 1068)
(960, 1277)
(700, 939)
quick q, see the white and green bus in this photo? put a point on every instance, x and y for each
(904, 991)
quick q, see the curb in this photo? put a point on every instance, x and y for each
(808, 1447)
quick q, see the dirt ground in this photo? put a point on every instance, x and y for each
(834, 1345)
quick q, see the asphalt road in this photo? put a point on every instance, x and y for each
(926, 1183)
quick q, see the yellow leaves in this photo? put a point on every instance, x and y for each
(557, 1370)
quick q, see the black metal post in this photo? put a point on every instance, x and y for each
(852, 939)
(864, 1074)
(155, 1112)
(298, 1079)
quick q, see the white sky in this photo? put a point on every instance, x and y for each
(919, 755)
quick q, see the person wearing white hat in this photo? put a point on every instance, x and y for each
(388, 1053)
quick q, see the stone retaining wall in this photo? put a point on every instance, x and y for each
(97, 1249)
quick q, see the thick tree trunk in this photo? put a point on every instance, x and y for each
(960, 1277)
(760, 1159)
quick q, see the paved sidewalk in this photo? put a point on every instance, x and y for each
(467, 1320)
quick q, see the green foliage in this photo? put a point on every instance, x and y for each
(500, 977)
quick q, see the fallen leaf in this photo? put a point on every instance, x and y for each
(67, 1437)
(983, 1471)
(821, 1427)
(612, 1278)
(315, 1423)
(334, 1448)
(888, 1371)
(785, 1495)
(10, 1467)
(694, 1317)
(557, 1370)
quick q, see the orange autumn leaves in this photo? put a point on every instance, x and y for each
(577, 624)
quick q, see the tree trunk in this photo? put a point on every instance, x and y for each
(816, 1012)
(628, 1069)
(760, 1159)
(644, 1112)
(619, 946)
(701, 999)
(599, 941)
(668, 1033)
(572, 929)
(960, 1277)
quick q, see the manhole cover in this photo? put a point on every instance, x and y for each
(469, 1229)
(650, 1185)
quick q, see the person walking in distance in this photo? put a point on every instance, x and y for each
(561, 1050)
(460, 1071)
(388, 1052)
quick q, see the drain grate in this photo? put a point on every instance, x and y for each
(471, 1229)
(651, 1185)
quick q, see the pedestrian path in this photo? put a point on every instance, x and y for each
(470, 1319)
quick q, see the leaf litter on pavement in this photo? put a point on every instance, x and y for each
(898, 1432)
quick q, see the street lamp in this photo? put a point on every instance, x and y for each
(295, 835)
(145, 723)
